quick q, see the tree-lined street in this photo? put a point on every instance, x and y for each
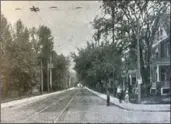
(77, 106)
(87, 61)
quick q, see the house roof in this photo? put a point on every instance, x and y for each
(162, 40)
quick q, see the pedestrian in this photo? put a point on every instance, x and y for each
(119, 94)
(108, 98)
(127, 97)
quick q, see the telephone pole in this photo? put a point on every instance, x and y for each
(50, 69)
(139, 78)
(47, 75)
(113, 22)
(170, 56)
(41, 76)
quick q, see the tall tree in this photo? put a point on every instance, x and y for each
(128, 15)
(46, 41)
(5, 45)
(60, 70)
(96, 64)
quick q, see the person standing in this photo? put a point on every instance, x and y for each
(127, 97)
(108, 98)
(119, 94)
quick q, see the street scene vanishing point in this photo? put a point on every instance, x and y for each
(105, 61)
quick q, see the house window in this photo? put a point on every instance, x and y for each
(156, 76)
(158, 34)
(153, 70)
(164, 73)
(157, 55)
(163, 49)
(168, 49)
(161, 31)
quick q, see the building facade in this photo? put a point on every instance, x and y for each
(160, 64)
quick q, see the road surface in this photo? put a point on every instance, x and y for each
(77, 106)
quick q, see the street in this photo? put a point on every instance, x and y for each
(77, 106)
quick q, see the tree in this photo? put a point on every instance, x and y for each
(60, 71)
(24, 66)
(96, 64)
(17, 61)
(5, 44)
(45, 39)
(22, 50)
(127, 16)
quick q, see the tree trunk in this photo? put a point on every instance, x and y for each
(145, 72)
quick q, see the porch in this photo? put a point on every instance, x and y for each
(160, 77)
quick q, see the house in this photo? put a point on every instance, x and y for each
(160, 64)
(132, 81)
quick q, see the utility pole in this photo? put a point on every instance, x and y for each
(69, 79)
(50, 69)
(113, 38)
(170, 56)
(47, 75)
(113, 22)
(170, 52)
(113, 82)
(41, 76)
(139, 78)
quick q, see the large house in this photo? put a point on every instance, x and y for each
(160, 64)
(159, 68)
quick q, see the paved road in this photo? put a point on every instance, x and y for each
(78, 105)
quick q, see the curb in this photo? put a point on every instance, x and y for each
(123, 107)
(31, 99)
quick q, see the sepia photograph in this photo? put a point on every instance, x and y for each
(106, 61)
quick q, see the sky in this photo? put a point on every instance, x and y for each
(70, 27)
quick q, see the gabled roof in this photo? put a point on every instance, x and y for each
(158, 42)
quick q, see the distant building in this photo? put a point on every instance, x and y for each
(79, 85)
(160, 64)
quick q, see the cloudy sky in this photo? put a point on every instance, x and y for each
(70, 27)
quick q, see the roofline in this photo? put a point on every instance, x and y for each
(167, 38)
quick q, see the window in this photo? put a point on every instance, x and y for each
(166, 91)
(153, 75)
(168, 49)
(164, 73)
(157, 55)
(161, 32)
(158, 34)
(163, 50)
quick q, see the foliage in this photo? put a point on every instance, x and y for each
(22, 50)
(96, 64)
(132, 18)
(117, 35)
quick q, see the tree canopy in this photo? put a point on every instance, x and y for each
(115, 38)
(22, 49)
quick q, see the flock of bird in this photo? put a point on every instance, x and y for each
(36, 9)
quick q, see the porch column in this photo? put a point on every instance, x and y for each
(130, 77)
(151, 75)
(158, 79)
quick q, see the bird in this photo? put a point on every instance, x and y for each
(53, 7)
(35, 9)
(78, 7)
(17, 8)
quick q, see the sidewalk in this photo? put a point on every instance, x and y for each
(134, 107)
(31, 99)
